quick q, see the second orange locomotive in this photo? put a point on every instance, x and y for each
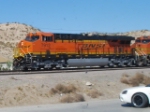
(56, 50)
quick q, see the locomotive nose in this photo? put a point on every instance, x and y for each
(138, 45)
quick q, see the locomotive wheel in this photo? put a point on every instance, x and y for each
(57, 68)
(38, 69)
(139, 64)
(145, 63)
(46, 69)
(101, 66)
(25, 69)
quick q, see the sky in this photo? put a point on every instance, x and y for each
(78, 16)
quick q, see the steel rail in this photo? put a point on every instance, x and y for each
(2, 73)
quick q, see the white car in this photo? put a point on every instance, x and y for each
(138, 96)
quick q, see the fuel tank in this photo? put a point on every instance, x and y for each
(88, 62)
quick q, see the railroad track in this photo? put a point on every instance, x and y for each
(2, 73)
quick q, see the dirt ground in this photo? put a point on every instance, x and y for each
(20, 90)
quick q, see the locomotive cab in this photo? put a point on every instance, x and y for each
(34, 45)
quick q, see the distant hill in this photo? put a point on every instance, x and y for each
(12, 33)
(135, 34)
(3, 59)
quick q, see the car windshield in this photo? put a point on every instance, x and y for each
(32, 39)
(148, 85)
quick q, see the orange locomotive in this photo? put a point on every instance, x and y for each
(56, 50)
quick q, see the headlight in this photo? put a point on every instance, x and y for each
(124, 92)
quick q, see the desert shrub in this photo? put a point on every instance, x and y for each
(79, 98)
(53, 91)
(59, 88)
(70, 89)
(94, 93)
(67, 99)
(7, 24)
(146, 80)
(138, 78)
(72, 98)
(133, 81)
(124, 78)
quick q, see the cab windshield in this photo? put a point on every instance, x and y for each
(145, 41)
(138, 41)
(32, 38)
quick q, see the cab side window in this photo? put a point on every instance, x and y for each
(138, 41)
(34, 38)
(47, 38)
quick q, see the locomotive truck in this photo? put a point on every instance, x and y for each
(43, 50)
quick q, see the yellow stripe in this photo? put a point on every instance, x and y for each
(18, 54)
(85, 53)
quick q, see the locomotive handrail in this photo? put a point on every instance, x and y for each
(22, 50)
(29, 54)
(136, 53)
(15, 50)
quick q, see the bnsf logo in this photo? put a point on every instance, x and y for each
(91, 46)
